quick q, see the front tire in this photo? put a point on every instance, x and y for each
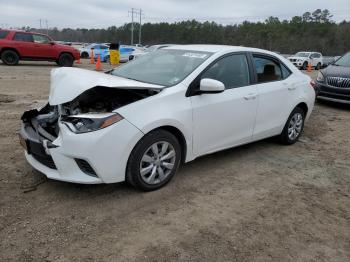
(65, 60)
(154, 161)
(318, 66)
(10, 57)
(293, 128)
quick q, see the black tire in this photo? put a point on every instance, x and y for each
(107, 60)
(84, 55)
(10, 57)
(318, 66)
(133, 172)
(66, 60)
(304, 67)
(285, 137)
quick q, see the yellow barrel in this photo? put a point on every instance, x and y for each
(114, 56)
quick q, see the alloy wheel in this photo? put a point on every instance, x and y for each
(295, 126)
(157, 162)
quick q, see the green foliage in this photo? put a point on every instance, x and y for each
(312, 31)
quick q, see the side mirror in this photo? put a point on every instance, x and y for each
(208, 85)
(52, 43)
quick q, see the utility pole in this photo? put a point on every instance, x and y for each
(132, 26)
(140, 27)
(47, 27)
(40, 23)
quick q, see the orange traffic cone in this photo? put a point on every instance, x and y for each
(309, 67)
(92, 58)
(98, 63)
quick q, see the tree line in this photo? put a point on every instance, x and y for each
(312, 31)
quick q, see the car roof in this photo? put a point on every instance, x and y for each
(20, 31)
(217, 48)
(13, 30)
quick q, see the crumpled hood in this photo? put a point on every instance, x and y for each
(67, 83)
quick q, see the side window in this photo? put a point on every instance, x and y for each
(231, 70)
(103, 47)
(41, 39)
(285, 72)
(3, 34)
(267, 69)
(23, 37)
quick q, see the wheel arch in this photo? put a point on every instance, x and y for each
(180, 137)
(9, 48)
(65, 52)
(303, 106)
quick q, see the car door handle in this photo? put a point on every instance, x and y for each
(291, 88)
(250, 96)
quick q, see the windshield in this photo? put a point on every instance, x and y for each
(344, 60)
(302, 54)
(163, 67)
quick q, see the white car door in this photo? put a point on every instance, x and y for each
(275, 90)
(223, 120)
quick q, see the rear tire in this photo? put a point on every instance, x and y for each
(304, 67)
(10, 57)
(65, 60)
(293, 127)
(84, 55)
(107, 60)
(154, 161)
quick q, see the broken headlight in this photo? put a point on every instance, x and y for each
(90, 122)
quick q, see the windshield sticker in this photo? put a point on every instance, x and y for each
(195, 55)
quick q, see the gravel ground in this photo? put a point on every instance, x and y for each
(258, 202)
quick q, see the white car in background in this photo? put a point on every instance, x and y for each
(153, 48)
(98, 48)
(147, 50)
(137, 52)
(139, 121)
(302, 59)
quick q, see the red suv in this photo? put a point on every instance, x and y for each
(19, 45)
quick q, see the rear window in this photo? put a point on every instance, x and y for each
(3, 34)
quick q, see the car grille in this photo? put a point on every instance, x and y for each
(338, 82)
(45, 160)
(85, 167)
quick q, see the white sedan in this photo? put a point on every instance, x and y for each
(140, 121)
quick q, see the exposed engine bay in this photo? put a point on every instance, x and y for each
(97, 100)
(104, 99)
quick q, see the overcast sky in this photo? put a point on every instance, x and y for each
(104, 13)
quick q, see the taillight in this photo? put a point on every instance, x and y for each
(313, 83)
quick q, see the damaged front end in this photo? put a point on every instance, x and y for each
(38, 131)
(92, 110)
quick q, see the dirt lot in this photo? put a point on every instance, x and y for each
(259, 202)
